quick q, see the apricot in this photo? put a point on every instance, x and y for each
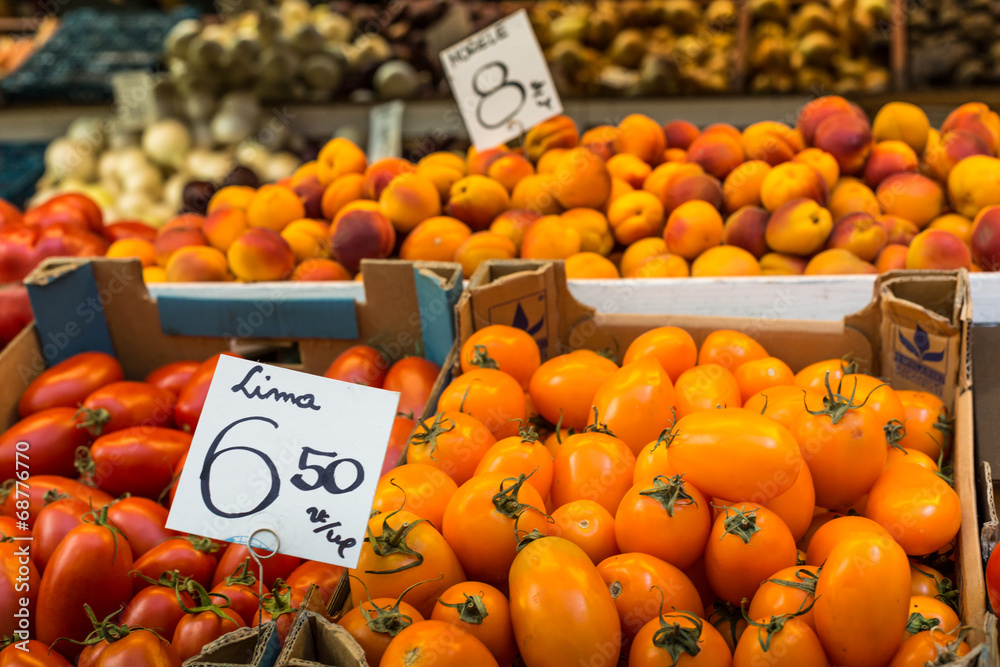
(659, 180)
(945, 150)
(154, 274)
(691, 187)
(260, 254)
(798, 227)
(141, 249)
(618, 188)
(444, 170)
(848, 139)
(513, 223)
(936, 249)
(675, 155)
(482, 246)
(822, 162)
(197, 264)
(955, 224)
(595, 233)
(745, 229)
(361, 234)
(184, 221)
(815, 112)
(549, 238)
(509, 170)
(273, 207)
(536, 193)
(837, 262)
(339, 193)
(898, 230)
(771, 142)
(477, 200)
(170, 240)
(977, 118)
(635, 215)
(307, 238)
(888, 158)
(600, 140)
(590, 266)
(408, 200)
(850, 196)
(642, 137)
(985, 240)
(893, 256)
(629, 168)
(320, 269)
(718, 153)
(435, 239)
(231, 196)
(478, 162)
(860, 233)
(974, 184)
(780, 264)
(693, 228)
(911, 196)
(556, 132)
(224, 226)
(789, 181)
(338, 157)
(379, 174)
(680, 134)
(639, 251)
(306, 171)
(582, 180)
(358, 205)
(547, 163)
(742, 185)
(725, 260)
(723, 128)
(665, 265)
(902, 121)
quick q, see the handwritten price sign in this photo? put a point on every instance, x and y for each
(296, 454)
(501, 81)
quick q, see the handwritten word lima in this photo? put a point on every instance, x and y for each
(305, 401)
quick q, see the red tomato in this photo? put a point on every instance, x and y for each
(134, 648)
(18, 580)
(191, 556)
(361, 364)
(52, 524)
(993, 579)
(15, 309)
(17, 252)
(122, 405)
(45, 443)
(41, 486)
(172, 376)
(437, 644)
(138, 460)
(279, 606)
(240, 591)
(191, 398)
(9, 214)
(38, 654)
(195, 630)
(67, 206)
(9, 527)
(592, 466)
(69, 382)
(65, 240)
(143, 521)
(324, 576)
(413, 378)
(129, 229)
(278, 566)
(156, 607)
(399, 437)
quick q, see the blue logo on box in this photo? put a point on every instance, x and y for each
(920, 346)
(916, 368)
(527, 313)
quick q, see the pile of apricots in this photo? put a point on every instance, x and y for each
(835, 194)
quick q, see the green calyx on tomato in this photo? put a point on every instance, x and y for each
(481, 358)
(278, 601)
(6, 488)
(393, 541)
(729, 614)
(742, 524)
(242, 575)
(505, 501)
(944, 424)
(835, 404)
(429, 435)
(767, 630)
(85, 465)
(524, 538)
(105, 631)
(895, 431)
(806, 583)
(667, 491)
(598, 426)
(203, 601)
(472, 611)
(675, 638)
(527, 433)
(388, 620)
(93, 420)
(171, 579)
(100, 518)
(202, 543)
(53, 495)
(918, 623)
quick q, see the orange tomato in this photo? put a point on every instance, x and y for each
(592, 466)
(929, 647)
(896, 455)
(779, 642)
(877, 395)
(436, 644)
(676, 633)
(906, 491)
(706, 387)
(491, 396)
(587, 525)
(756, 375)
(925, 580)
(784, 403)
(520, 454)
(668, 519)
(636, 402)
(795, 506)
(835, 531)
(381, 620)
(928, 428)
(415, 487)
(728, 620)
(413, 378)
(555, 440)
(452, 441)
(814, 376)
(787, 591)
(927, 612)
(748, 544)
(563, 388)
(671, 346)
(654, 460)
(482, 611)
(730, 349)
(504, 348)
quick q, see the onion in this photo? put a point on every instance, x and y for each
(88, 129)
(231, 127)
(70, 158)
(280, 165)
(148, 180)
(396, 79)
(167, 142)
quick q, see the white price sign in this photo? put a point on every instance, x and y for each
(295, 454)
(501, 81)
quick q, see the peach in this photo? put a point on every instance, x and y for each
(477, 200)
(745, 229)
(408, 200)
(718, 153)
(815, 112)
(692, 187)
(848, 139)
(310, 192)
(723, 128)
(642, 137)
(665, 265)
(600, 140)
(693, 228)
(822, 162)
(549, 238)
(902, 121)
(659, 179)
(141, 249)
(556, 132)
(771, 142)
(974, 184)
(273, 207)
(482, 246)
(837, 262)
(478, 162)
(590, 266)
(260, 254)
(582, 180)
(977, 118)
(184, 221)
(338, 157)
(634, 216)
(851, 195)
(935, 249)
(893, 256)
(985, 240)
(435, 239)
(379, 174)
(898, 230)
(536, 193)
(798, 227)
(888, 158)
(956, 224)
(358, 205)
(169, 241)
(509, 170)
(595, 233)
(789, 181)
(305, 171)
(780, 264)
(860, 233)
(725, 260)
(341, 192)
(680, 133)
(154, 274)
(224, 226)
(513, 224)
(231, 196)
(547, 163)
(946, 150)
(307, 238)
(639, 251)
(443, 170)
(361, 234)
(742, 185)
(629, 168)
(197, 264)
(320, 268)
(911, 196)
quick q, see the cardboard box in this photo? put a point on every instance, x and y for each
(913, 333)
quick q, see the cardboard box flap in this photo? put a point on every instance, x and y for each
(314, 641)
(244, 647)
